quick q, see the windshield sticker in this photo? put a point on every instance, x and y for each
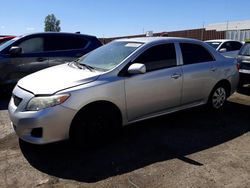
(135, 45)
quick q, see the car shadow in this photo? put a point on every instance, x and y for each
(172, 136)
(4, 101)
(244, 90)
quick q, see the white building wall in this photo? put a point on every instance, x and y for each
(238, 35)
(229, 26)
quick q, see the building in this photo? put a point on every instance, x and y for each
(236, 30)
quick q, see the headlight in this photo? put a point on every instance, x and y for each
(38, 103)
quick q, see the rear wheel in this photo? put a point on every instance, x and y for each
(218, 97)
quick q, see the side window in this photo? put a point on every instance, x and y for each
(57, 43)
(194, 53)
(227, 45)
(245, 50)
(32, 45)
(158, 57)
(236, 45)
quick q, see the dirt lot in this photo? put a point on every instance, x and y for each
(193, 148)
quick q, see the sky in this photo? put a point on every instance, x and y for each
(111, 18)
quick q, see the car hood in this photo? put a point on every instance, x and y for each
(54, 79)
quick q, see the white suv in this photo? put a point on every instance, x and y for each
(228, 48)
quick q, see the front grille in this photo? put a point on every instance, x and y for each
(17, 100)
(245, 66)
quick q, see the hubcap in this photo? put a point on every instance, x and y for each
(219, 97)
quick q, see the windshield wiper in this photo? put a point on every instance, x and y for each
(80, 66)
(87, 66)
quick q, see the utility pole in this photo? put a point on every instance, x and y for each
(202, 31)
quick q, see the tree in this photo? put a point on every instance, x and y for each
(51, 23)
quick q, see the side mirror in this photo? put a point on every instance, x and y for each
(137, 68)
(15, 50)
(222, 50)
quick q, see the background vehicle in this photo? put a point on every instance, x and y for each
(30, 53)
(123, 82)
(228, 48)
(244, 62)
(4, 38)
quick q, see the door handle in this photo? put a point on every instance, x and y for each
(176, 76)
(213, 69)
(40, 59)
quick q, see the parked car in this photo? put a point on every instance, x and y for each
(5, 38)
(30, 53)
(244, 63)
(228, 48)
(120, 83)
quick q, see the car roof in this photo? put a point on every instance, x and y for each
(7, 37)
(221, 40)
(157, 39)
(56, 33)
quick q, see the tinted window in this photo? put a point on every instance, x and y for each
(32, 45)
(245, 50)
(158, 57)
(227, 45)
(236, 45)
(55, 43)
(194, 53)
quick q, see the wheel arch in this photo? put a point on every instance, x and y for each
(107, 105)
(224, 83)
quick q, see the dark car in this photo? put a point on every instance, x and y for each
(244, 64)
(30, 53)
(4, 38)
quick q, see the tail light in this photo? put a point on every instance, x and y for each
(238, 66)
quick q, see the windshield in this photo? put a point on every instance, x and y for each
(110, 55)
(245, 50)
(7, 43)
(214, 44)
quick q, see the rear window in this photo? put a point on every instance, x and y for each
(245, 50)
(64, 42)
(194, 53)
(236, 45)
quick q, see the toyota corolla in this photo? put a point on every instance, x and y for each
(125, 81)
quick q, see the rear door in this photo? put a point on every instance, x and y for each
(200, 73)
(64, 48)
(159, 88)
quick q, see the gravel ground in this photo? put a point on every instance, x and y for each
(192, 148)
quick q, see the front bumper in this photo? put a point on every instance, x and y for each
(54, 122)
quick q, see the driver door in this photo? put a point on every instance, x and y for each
(31, 59)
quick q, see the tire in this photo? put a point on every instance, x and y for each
(94, 125)
(218, 97)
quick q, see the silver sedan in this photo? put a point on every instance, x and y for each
(123, 82)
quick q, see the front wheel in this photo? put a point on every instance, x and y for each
(95, 125)
(218, 97)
